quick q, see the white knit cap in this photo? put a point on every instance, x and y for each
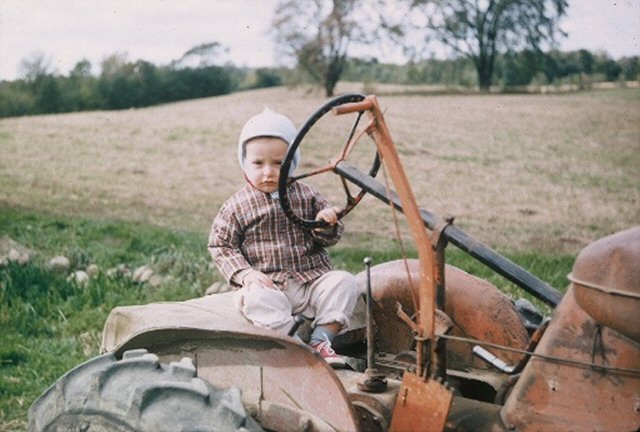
(272, 124)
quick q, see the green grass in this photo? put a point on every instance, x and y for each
(50, 324)
(486, 159)
(527, 175)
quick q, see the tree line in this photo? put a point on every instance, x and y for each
(122, 84)
(512, 71)
(489, 41)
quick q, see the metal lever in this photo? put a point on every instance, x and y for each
(297, 320)
(370, 339)
(373, 381)
(493, 360)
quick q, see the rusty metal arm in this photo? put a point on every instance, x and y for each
(501, 265)
(422, 391)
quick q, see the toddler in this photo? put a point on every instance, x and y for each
(277, 268)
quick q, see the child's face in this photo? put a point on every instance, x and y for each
(263, 157)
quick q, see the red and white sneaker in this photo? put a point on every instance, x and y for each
(328, 354)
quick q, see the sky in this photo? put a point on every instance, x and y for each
(159, 31)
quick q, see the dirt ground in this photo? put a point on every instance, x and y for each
(518, 172)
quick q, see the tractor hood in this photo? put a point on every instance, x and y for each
(606, 278)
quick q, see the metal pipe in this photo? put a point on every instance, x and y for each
(373, 381)
(503, 266)
(297, 321)
(369, 318)
(494, 361)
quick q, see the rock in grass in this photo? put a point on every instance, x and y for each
(80, 277)
(12, 251)
(156, 280)
(120, 270)
(92, 270)
(60, 263)
(17, 256)
(142, 274)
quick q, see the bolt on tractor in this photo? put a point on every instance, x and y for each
(430, 347)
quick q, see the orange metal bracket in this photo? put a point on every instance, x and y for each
(389, 155)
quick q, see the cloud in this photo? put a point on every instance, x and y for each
(612, 26)
(160, 31)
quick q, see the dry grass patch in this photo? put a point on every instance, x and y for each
(519, 172)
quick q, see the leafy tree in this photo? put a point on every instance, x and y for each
(41, 82)
(191, 83)
(150, 86)
(123, 84)
(481, 29)
(319, 33)
(265, 77)
(630, 68)
(82, 69)
(15, 99)
(559, 65)
(80, 88)
(610, 68)
(48, 94)
(518, 69)
(586, 61)
(201, 55)
(115, 87)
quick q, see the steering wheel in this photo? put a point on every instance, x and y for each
(285, 180)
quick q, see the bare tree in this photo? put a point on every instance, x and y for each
(35, 66)
(319, 33)
(480, 29)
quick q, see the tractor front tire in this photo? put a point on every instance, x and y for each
(137, 393)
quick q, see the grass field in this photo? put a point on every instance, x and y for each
(521, 172)
(536, 177)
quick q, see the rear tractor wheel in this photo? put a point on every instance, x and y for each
(137, 393)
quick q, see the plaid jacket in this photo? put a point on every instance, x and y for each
(252, 232)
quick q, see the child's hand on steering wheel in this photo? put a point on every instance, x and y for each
(328, 215)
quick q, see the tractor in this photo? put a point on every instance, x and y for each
(430, 348)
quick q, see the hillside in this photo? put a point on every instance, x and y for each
(520, 172)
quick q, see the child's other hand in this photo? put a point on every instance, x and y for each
(329, 215)
(255, 277)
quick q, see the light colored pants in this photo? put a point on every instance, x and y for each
(328, 299)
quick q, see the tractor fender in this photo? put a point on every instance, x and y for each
(476, 307)
(284, 384)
